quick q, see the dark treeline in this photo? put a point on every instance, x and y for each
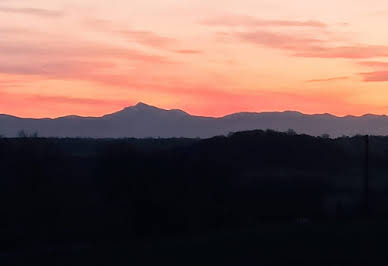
(111, 190)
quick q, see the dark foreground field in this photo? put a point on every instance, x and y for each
(339, 243)
(252, 198)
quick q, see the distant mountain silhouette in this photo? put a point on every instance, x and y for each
(142, 121)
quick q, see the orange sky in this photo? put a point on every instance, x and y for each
(60, 57)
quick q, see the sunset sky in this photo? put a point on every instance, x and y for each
(92, 57)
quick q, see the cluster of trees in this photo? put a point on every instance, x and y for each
(24, 134)
(119, 189)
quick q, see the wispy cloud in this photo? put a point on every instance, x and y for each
(32, 11)
(314, 40)
(301, 46)
(350, 52)
(328, 79)
(91, 62)
(66, 51)
(278, 40)
(188, 51)
(15, 30)
(374, 64)
(146, 38)
(248, 21)
(376, 76)
(60, 69)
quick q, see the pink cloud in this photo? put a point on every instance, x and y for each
(146, 38)
(328, 79)
(143, 37)
(90, 62)
(79, 50)
(278, 40)
(301, 46)
(350, 52)
(188, 51)
(32, 11)
(374, 64)
(376, 76)
(248, 21)
(62, 69)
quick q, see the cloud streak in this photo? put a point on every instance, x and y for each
(60, 69)
(96, 63)
(248, 21)
(66, 51)
(279, 40)
(328, 79)
(374, 64)
(32, 11)
(375, 76)
(188, 51)
(301, 46)
(143, 37)
(146, 38)
(349, 52)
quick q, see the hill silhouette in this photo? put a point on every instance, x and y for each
(142, 121)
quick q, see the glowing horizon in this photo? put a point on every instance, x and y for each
(63, 57)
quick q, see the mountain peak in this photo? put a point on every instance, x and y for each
(139, 108)
(141, 104)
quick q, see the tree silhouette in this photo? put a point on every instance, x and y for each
(291, 132)
(24, 134)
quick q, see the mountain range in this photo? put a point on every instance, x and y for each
(142, 121)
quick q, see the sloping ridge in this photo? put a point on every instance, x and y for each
(143, 120)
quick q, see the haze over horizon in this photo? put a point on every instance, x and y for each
(63, 57)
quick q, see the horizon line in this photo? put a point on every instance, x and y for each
(193, 115)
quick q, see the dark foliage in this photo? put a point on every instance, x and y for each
(88, 191)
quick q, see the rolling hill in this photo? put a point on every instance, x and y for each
(142, 121)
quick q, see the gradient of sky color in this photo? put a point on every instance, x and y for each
(60, 57)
